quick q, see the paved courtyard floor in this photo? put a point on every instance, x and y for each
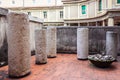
(67, 67)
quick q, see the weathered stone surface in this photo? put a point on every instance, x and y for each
(67, 39)
(36, 19)
(3, 11)
(3, 42)
(111, 43)
(40, 44)
(51, 42)
(18, 34)
(82, 43)
(33, 26)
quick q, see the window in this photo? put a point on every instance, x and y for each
(45, 14)
(118, 1)
(29, 13)
(83, 9)
(49, 1)
(61, 14)
(34, 1)
(100, 5)
(13, 2)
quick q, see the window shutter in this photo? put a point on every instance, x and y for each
(83, 9)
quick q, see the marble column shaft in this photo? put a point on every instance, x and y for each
(82, 43)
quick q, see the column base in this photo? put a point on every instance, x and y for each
(13, 76)
(82, 59)
(38, 63)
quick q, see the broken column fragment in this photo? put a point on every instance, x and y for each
(40, 45)
(18, 33)
(51, 42)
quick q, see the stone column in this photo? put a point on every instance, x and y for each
(96, 23)
(78, 24)
(51, 42)
(110, 21)
(40, 45)
(69, 24)
(65, 24)
(88, 24)
(82, 43)
(18, 34)
(103, 23)
(111, 43)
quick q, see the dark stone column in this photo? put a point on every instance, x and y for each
(111, 43)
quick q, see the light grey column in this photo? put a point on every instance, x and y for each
(40, 45)
(65, 24)
(110, 21)
(18, 34)
(82, 43)
(111, 43)
(51, 42)
(103, 23)
(78, 24)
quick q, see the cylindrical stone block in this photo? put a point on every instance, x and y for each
(111, 43)
(40, 44)
(51, 43)
(18, 33)
(82, 43)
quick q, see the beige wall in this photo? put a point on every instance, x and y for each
(73, 10)
(29, 3)
(53, 15)
(92, 10)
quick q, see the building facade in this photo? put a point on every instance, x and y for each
(91, 12)
(69, 12)
(51, 11)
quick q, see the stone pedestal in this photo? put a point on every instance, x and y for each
(82, 43)
(40, 44)
(18, 34)
(111, 43)
(51, 43)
